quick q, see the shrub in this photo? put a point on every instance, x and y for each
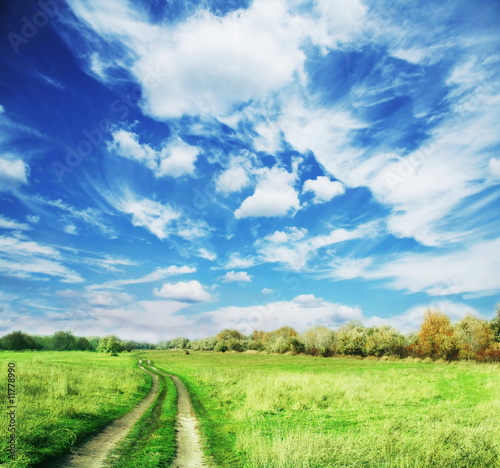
(221, 346)
(110, 344)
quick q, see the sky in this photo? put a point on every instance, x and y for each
(173, 168)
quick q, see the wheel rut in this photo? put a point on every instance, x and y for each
(189, 452)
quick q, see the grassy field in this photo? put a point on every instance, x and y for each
(63, 396)
(275, 411)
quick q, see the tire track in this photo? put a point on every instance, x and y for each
(189, 452)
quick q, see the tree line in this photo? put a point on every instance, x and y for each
(66, 341)
(471, 338)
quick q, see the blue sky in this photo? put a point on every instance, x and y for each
(175, 168)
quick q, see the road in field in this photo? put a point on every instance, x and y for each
(189, 453)
(92, 453)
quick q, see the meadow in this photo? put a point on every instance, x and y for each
(281, 411)
(63, 396)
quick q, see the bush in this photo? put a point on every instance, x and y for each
(221, 346)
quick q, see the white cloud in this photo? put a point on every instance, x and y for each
(471, 271)
(267, 291)
(157, 275)
(21, 258)
(152, 215)
(494, 167)
(6, 223)
(291, 234)
(273, 315)
(295, 252)
(309, 300)
(323, 188)
(238, 261)
(240, 276)
(13, 173)
(70, 229)
(274, 184)
(108, 299)
(175, 158)
(232, 180)
(184, 291)
(204, 253)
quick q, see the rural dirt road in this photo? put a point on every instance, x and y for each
(92, 453)
(189, 453)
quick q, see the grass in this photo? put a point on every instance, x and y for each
(151, 443)
(63, 397)
(271, 411)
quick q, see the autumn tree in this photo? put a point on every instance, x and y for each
(436, 337)
(474, 336)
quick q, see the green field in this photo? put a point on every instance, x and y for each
(63, 396)
(278, 411)
(259, 410)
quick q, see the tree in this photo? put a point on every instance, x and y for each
(63, 341)
(318, 340)
(351, 338)
(384, 341)
(474, 336)
(82, 344)
(110, 344)
(18, 341)
(495, 325)
(230, 334)
(436, 337)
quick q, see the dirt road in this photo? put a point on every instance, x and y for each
(189, 453)
(92, 453)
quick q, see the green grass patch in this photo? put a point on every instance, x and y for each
(62, 397)
(275, 411)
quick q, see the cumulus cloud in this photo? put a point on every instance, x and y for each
(290, 234)
(175, 158)
(233, 179)
(274, 184)
(324, 189)
(13, 173)
(184, 291)
(240, 277)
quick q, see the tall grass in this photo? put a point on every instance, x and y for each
(290, 412)
(64, 396)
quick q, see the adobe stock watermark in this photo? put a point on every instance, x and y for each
(30, 27)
